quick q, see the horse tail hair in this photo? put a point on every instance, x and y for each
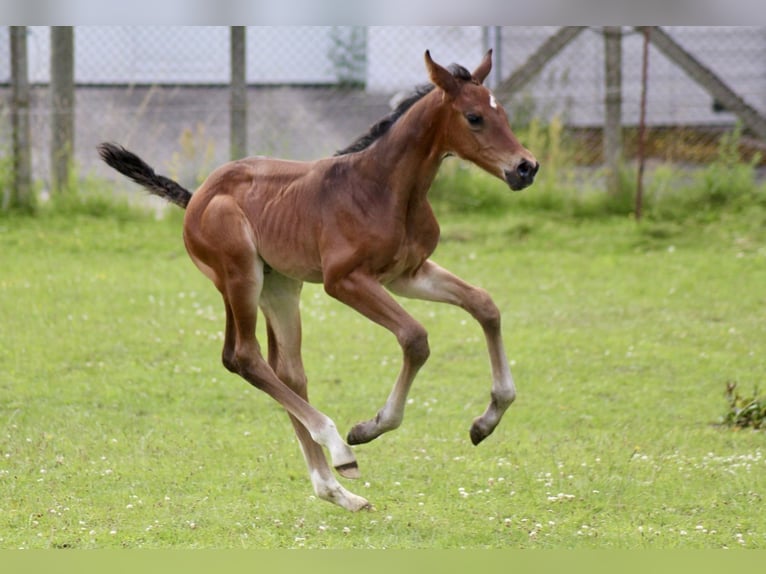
(132, 166)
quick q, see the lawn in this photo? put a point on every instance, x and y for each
(119, 428)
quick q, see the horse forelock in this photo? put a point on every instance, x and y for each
(460, 73)
(380, 128)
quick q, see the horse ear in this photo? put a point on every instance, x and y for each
(482, 71)
(441, 77)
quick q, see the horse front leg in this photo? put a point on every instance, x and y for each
(434, 283)
(363, 293)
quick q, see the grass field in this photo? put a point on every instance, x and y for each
(119, 428)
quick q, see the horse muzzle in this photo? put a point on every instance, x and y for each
(522, 176)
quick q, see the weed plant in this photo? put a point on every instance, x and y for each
(194, 160)
(745, 411)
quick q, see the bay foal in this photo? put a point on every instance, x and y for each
(360, 223)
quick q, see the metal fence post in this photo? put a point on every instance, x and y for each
(238, 94)
(21, 194)
(492, 38)
(613, 105)
(62, 106)
(642, 125)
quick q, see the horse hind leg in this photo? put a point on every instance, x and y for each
(280, 304)
(249, 363)
(237, 272)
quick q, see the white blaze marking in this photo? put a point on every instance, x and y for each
(492, 101)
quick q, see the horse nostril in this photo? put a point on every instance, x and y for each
(526, 170)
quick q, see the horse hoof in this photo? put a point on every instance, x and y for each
(360, 434)
(342, 497)
(360, 505)
(349, 470)
(478, 433)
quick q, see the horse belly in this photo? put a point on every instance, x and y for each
(289, 247)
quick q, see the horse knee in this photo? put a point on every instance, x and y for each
(236, 360)
(486, 312)
(229, 361)
(414, 343)
(248, 364)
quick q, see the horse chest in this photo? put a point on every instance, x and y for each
(414, 246)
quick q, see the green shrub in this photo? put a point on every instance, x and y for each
(96, 197)
(728, 178)
(728, 182)
(11, 205)
(744, 411)
(672, 193)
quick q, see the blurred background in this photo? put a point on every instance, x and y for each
(189, 98)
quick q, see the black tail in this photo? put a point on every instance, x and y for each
(132, 166)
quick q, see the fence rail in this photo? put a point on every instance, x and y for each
(191, 97)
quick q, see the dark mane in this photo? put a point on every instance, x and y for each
(381, 127)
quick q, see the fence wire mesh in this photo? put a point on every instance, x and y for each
(163, 91)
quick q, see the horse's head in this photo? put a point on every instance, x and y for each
(477, 127)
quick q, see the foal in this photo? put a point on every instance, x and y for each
(360, 223)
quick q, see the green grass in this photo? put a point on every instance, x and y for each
(119, 428)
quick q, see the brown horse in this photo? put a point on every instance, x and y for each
(360, 223)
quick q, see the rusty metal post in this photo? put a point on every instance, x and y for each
(613, 107)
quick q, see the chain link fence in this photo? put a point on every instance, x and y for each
(164, 91)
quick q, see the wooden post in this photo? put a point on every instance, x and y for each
(613, 107)
(62, 106)
(20, 196)
(238, 94)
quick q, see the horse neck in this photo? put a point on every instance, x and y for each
(409, 156)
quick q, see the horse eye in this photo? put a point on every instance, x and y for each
(474, 119)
